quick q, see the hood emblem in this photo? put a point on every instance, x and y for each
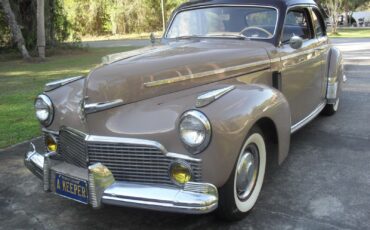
(96, 107)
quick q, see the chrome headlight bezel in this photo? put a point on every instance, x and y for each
(196, 148)
(48, 105)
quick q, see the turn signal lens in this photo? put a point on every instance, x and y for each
(180, 173)
(51, 145)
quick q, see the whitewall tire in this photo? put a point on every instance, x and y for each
(240, 193)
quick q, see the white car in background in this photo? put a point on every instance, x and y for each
(362, 18)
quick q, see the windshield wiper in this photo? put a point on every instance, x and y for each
(188, 36)
(229, 35)
(218, 35)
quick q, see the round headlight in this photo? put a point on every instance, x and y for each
(195, 131)
(44, 110)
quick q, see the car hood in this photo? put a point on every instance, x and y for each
(155, 71)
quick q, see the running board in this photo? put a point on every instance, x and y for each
(307, 119)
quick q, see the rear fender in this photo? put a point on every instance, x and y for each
(335, 75)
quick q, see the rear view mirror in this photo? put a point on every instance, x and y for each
(296, 42)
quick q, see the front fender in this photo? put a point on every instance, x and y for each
(334, 75)
(232, 116)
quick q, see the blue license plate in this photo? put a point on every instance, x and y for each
(72, 188)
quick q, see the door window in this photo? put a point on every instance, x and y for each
(297, 23)
(318, 24)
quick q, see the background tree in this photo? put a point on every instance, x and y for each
(333, 7)
(41, 29)
(15, 30)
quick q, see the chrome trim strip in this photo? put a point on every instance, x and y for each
(284, 58)
(309, 118)
(182, 157)
(207, 73)
(227, 5)
(274, 60)
(59, 83)
(106, 139)
(124, 140)
(97, 107)
(211, 96)
(50, 131)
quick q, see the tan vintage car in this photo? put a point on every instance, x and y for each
(190, 125)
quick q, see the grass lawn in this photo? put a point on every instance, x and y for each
(158, 34)
(352, 33)
(21, 82)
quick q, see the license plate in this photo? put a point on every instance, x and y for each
(71, 188)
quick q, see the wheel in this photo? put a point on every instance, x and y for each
(331, 109)
(240, 193)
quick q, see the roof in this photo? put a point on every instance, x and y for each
(275, 3)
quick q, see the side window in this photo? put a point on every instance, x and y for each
(297, 23)
(318, 23)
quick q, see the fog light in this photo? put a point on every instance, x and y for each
(51, 144)
(180, 173)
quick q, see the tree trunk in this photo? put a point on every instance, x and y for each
(346, 12)
(163, 16)
(41, 29)
(333, 8)
(15, 30)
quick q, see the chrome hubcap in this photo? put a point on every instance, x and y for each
(247, 172)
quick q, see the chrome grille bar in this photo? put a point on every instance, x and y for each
(72, 148)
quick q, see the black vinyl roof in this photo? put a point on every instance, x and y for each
(275, 3)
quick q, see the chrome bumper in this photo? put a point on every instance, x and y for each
(192, 198)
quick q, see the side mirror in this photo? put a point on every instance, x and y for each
(296, 42)
(152, 38)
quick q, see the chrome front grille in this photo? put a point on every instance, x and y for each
(136, 163)
(72, 147)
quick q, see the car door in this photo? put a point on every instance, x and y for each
(301, 69)
(322, 48)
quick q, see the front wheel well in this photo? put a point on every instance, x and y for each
(270, 135)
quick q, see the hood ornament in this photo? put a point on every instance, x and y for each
(97, 107)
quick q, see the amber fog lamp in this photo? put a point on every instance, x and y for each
(180, 173)
(51, 144)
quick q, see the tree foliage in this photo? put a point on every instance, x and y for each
(99, 17)
(75, 18)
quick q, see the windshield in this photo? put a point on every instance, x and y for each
(248, 22)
